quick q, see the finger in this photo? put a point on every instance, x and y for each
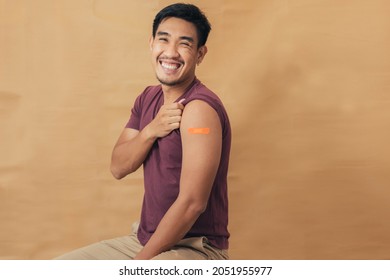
(176, 119)
(180, 103)
(175, 106)
(174, 125)
(175, 112)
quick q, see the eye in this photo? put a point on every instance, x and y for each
(187, 44)
(162, 39)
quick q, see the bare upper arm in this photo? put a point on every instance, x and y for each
(201, 134)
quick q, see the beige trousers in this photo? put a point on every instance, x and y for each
(126, 248)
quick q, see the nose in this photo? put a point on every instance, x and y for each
(171, 51)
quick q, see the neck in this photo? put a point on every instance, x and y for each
(171, 93)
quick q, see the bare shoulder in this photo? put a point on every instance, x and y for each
(199, 118)
(199, 112)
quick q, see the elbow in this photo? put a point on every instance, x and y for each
(117, 176)
(192, 206)
(117, 172)
(197, 208)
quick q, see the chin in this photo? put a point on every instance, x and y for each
(167, 82)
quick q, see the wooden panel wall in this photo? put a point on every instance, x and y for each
(306, 84)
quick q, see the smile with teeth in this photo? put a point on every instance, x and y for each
(170, 66)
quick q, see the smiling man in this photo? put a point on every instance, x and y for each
(180, 132)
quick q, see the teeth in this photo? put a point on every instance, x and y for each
(169, 66)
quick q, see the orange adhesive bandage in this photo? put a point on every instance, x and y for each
(199, 130)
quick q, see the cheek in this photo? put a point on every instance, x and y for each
(188, 56)
(156, 50)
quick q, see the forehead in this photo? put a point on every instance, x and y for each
(178, 27)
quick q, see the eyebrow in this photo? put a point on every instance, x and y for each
(187, 38)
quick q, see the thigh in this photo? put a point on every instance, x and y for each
(121, 248)
(195, 248)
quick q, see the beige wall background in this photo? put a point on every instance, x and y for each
(306, 84)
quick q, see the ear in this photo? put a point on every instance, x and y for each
(202, 51)
(151, 39)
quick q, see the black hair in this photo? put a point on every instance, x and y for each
(187, 12)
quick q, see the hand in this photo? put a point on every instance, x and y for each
(139, 257)
(167, 119)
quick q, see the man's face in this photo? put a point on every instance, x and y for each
(175, 52)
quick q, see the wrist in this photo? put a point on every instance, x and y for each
(148, 134)
(142, 256)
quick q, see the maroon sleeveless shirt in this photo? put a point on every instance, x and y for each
(162, 168)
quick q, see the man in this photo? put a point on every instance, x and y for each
(180, 133)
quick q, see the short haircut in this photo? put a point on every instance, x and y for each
(187, 12)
